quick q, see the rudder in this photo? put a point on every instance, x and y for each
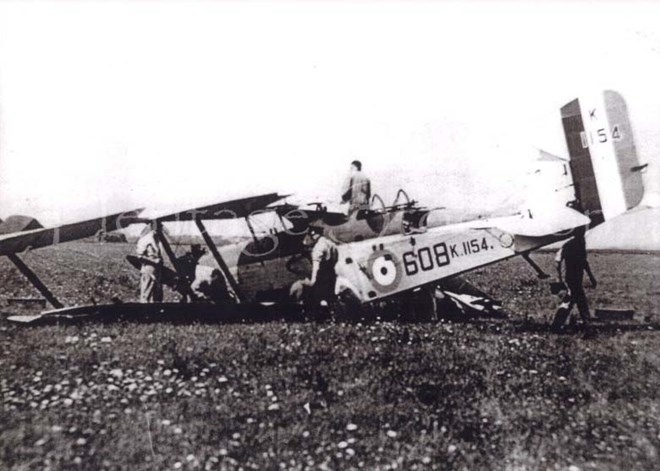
(603, 156)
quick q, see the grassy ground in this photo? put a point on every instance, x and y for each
(476, 395)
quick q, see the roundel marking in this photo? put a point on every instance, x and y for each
(385, 270)
(506, 240)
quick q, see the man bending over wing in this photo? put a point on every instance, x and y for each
(209, 285)
(320, 287)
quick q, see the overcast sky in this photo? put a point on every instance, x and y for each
(106, 106)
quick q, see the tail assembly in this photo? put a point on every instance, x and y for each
(604, 165)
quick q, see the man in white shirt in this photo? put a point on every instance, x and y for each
(149, 250)
(324, 257)
(209, 285)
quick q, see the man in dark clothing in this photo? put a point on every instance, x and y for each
(189, 261)
(357, 189)
(187, 267)
(572, 257)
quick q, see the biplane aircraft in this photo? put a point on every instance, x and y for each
(383, 252)
(388, 252)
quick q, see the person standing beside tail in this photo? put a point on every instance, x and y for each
(148, 249)
(357, 189)
(572, 257)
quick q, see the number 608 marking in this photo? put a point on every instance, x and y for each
(427, 260)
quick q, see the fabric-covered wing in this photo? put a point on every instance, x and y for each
(33, 239)
(234, 209)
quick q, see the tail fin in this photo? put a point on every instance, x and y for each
(604, 160)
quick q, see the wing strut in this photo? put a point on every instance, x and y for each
(173, 260)
(218, 258)
(539, 271)
(34, 279)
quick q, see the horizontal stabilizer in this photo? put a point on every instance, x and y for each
(544, 223)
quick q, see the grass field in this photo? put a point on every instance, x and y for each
(481, 394)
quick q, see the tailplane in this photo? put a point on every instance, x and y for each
(604, 165)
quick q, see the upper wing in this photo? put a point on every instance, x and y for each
(17, 242)
(43, 237)
(234, 209)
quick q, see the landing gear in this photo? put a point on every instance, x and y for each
(420, 305)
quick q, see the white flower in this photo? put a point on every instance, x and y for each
(117, 373)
